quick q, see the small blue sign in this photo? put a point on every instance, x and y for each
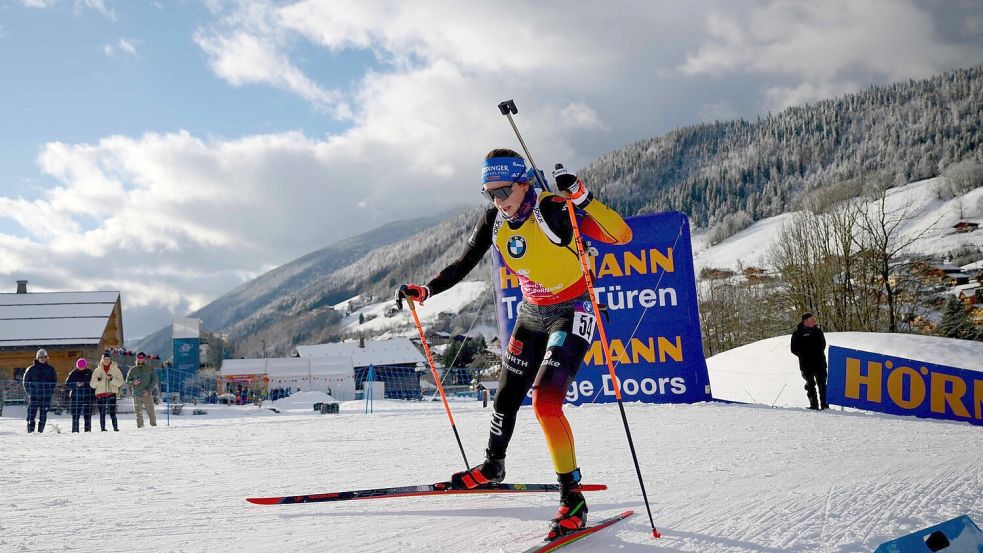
(959, 535)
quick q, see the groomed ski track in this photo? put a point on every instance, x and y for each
(721, 477)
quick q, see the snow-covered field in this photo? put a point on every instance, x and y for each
(720, 477)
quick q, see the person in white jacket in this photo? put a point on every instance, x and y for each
(107, 379)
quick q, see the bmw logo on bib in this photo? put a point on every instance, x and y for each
(517, 246)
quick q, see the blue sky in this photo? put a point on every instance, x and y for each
(173, 150)
(73, 82)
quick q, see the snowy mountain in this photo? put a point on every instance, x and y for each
(900, 133)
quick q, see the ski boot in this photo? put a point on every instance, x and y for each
(492, 471)
(572, 515)
(30, 427)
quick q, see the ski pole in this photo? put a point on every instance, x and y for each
(436, 378)
(607, 353)
(508, 108)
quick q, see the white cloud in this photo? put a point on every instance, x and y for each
(41, 4)
(825, 48)
(97, 5)
(243, 58)
(123, 46)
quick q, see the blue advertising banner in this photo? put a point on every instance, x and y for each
(887, 384)
(654, 328)
(186, 361)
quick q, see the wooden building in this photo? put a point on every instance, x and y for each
(965, 226)
(68, 325)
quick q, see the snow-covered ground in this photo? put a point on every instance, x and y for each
(766, 372)
(932, 218)
(720, 477)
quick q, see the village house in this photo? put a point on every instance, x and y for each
(69, 325)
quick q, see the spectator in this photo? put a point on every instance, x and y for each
(39, 384)
(81, 395)
(106, 381)
(142, 379)
(809, 345)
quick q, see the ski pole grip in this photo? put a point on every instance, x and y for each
(507, 107)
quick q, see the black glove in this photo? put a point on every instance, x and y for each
(414, 292)
(569, 183)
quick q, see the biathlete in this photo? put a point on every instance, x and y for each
(555, 325)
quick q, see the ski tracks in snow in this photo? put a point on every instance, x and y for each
(720, 478)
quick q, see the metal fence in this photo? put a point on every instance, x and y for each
(177, 388)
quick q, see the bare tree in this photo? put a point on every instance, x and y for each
(888, 245)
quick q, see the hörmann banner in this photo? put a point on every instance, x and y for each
(649, 288)
(887, 384)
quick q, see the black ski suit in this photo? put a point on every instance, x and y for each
(809, 345)
(81, 397)
(39, 384)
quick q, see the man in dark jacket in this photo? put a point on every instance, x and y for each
(39, 384)
(809, 345)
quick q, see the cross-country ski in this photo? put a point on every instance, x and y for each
(438, 489)
(577, 535)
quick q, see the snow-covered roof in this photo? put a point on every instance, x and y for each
(956, 290)
(973, 266)
(285, 367)
(55, 318)
(395, 351)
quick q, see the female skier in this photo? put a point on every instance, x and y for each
(532, 231)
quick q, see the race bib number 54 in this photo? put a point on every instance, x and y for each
(583, 325)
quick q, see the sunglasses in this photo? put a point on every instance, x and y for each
(501, 193)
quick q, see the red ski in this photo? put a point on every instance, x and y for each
(441, 488)
(567, 539)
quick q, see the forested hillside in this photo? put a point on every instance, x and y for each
(901, 133)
